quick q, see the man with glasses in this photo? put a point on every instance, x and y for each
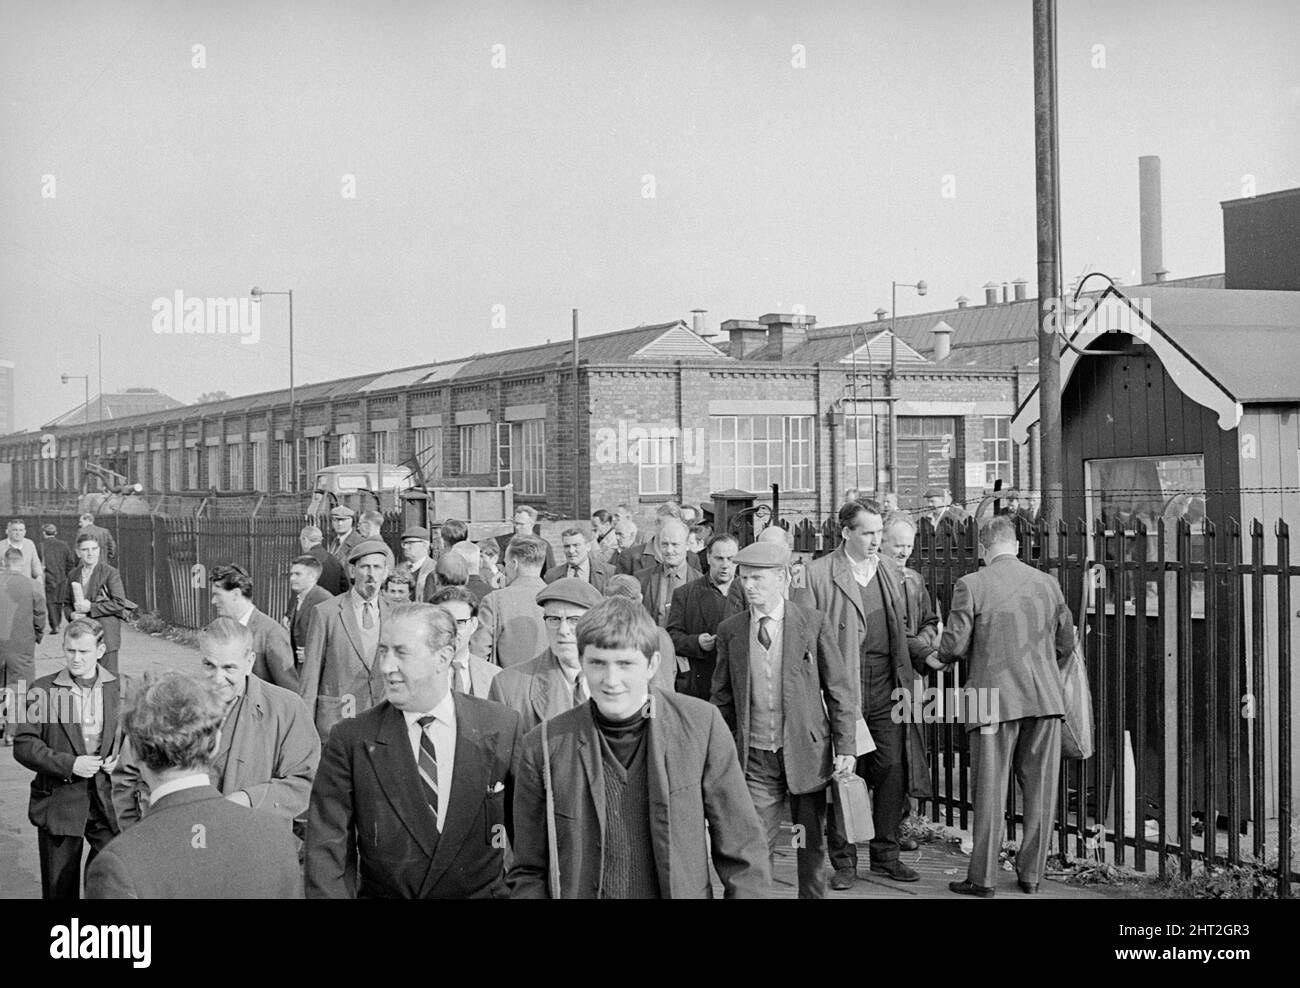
(469, 673)
(551, 683)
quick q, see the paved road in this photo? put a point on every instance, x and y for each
(938, 864)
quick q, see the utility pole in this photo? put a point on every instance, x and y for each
(1047, 187)
(578, 445)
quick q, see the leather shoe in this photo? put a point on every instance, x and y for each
(1029, 888)
(843, 879)
(896, 870)
(967, 887)
(907, 844)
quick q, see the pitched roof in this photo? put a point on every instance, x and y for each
(115, 405)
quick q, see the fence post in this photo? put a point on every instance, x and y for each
(1283, 710)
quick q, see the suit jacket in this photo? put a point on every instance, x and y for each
(535, 690)
(58, 559)
(244, 854)
(22, 623)
(634, 558)
(479, 587)
(597, 573)
(1011, 624)
(693, 777)
(832, 590)
(815, 692)
(337, 679)
(423, 593)
(107, 544)
(918, 614)
(650, 587)
(503, 542)
(510, 628)
(273, 756)
(108, 604)
(344, 546)
(48, 742)
(370, 833)
(274, 662)
(698, 608)
(481, 674)
(298, 620)
(333, 577)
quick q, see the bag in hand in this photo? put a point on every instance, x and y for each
(853, 804)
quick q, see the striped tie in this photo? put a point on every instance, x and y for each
(428, 765)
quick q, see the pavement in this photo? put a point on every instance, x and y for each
(937, 863)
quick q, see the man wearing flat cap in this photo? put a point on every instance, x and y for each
(783, 689)
(942, 508)
(419, 563)
(346, 537)
(340, 677)
(551, 683)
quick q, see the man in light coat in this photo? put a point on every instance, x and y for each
(510, 629)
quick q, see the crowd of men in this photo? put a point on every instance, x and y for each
(633, 720)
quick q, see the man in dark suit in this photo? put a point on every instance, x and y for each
(675, 569)
(525, 526)
(1009, 622)
(635, 775)
(102, 535)
(333, 578)
(697, 610)
(232, 597)
(412, 797)
(340, 676)
(861, 593)
(510, 628)
(629, 552)
(58, 559)
(67, 739)
(192, 842)
(266, 756)
(306, 593)
(419, 563)
(101, 596)
(346, 537)
(579, 561)
(551, 683)
(783, 688)
(22, 625)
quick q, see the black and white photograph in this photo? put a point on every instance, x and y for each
(725, 449)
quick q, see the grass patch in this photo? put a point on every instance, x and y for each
(154, 626)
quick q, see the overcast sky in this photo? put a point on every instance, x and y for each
(523, 186)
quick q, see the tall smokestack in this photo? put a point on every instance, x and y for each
(1153, 240)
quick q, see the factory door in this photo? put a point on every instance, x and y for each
(926, 457)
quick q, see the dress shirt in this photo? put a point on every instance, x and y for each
(248, 616)
(191, 781)
(863, 571)
(442, 732)
(766, 705)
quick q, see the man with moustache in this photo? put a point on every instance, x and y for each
(340, 677)
(697, 610)
(267, 751)
(551, 683)
(232, 597)
(413, 797)
(675, 569)
(623, 786)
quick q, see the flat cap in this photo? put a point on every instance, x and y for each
(368, 548)
(570, 590)
(49, 530)
(416, 532)
(342, 511)
(763, 555)
(935, 492)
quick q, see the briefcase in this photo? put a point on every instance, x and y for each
(853, 803)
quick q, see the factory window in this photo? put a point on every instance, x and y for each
(997, 450)
(657, 465)
(383, 447)
(753, 452)
(475, 449)
(192, 468)
(860, 452)
(257, 453)
(214, 468)
(348, 448)
(235, 467)
(428, 452)
(521, 455)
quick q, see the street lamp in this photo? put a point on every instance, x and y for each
(85, 380)
(257, 294)
(921, 289)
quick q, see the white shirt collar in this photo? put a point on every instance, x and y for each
(176, 785)
(777, 613)
(248, 615)
(863, 571)
(445, 711)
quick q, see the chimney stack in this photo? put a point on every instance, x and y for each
(698, 325)
(745, 336)
(1006, 294)
(1019, 285)
(942, 339)
(1153, 241)
(1162, 274)
(785, 332)
(990, 293)
(881, 313)
(962, 301)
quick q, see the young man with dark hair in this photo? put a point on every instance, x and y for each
(67, 739)
(192, 842)
(397, 588)
(305, 594)
(451, 531)
(697, 610)
(333, 580)
(58, 558)
(232, 597)
(610, 765)
(95, 591)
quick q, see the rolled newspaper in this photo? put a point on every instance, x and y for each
(77, 593)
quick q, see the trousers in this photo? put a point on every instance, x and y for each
(765, 777)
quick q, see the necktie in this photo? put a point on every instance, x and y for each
(460, 681)
(764, 636)
(428, 765)
(579, 691)
(573, 571)
(367, 619)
